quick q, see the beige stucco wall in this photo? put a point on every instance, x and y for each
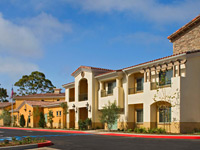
(190, 95)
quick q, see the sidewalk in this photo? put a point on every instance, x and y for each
(111, 133)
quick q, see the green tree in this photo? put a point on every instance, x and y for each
(65, 109)
(3, 95)
(50, 118)
(42, 122)
(22, 121)
(34, 83)
(6, 117)
(110, 114)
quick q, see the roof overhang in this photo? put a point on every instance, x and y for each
(69, 85)
(110, 76)
(140, 67)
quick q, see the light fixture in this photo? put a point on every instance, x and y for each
(88, 107)
(73, 106)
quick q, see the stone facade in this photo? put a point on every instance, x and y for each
(187, 41)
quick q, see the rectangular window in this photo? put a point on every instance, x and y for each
(165, 115)
(139, 115)
(165, 77)
(140, 82)
(111, 86)
(58, 113)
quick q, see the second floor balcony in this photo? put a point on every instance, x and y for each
(83, 97)
(106, 93)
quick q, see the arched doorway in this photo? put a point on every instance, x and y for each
(83, 90)
(161, 115)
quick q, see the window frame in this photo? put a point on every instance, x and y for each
(137, 116)
(164, 119)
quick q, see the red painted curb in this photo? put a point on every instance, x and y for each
(48, 143)
(153, 136)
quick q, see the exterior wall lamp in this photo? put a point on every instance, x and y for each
(88, 107)
(75, 108)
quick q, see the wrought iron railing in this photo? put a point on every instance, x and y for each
(155, 85)
(83, 97)
(134, 90)
(106, 93)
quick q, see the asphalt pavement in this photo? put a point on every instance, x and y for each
(65, 141)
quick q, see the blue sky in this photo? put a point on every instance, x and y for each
(57, 36)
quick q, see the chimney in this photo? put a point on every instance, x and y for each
(57, 91)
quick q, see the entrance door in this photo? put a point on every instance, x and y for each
(83, 113)
(72, 118)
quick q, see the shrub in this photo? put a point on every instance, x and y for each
(22, 121)
(140, 130)
(88, 121)
(82, 125)
(6, 141)
(42, 122)
(129, 130)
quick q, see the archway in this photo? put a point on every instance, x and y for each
(83, 90)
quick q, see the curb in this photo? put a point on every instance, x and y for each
(28, 146)
(153, 136)
(47, 143)
(113, 134)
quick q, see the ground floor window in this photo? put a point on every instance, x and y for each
(139, 115)
(165, 115)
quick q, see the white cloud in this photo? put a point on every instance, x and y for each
(12, 66)
(150, 9)
(45, 27)
(17, 40)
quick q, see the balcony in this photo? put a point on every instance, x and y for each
(134, 91)
(83, 97)
(155, 85)
(106, 93)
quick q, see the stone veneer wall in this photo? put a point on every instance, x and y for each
(187, 41)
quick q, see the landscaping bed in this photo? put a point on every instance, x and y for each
(22, 141)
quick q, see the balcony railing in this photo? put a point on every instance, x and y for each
(106, 93)
(71, 99)
(134, 90)
(83, 97)
(155, 85)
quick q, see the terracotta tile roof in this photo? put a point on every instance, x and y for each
(188, 52)
(68, 83)
(88, 67)
(185, 27)
(38, 103)
(41, 95)
(5, 104)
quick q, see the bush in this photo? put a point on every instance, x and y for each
(152, 131)
(140, 130)
(82, 125)
(129, 130)
(22, 121)
(42, 122)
